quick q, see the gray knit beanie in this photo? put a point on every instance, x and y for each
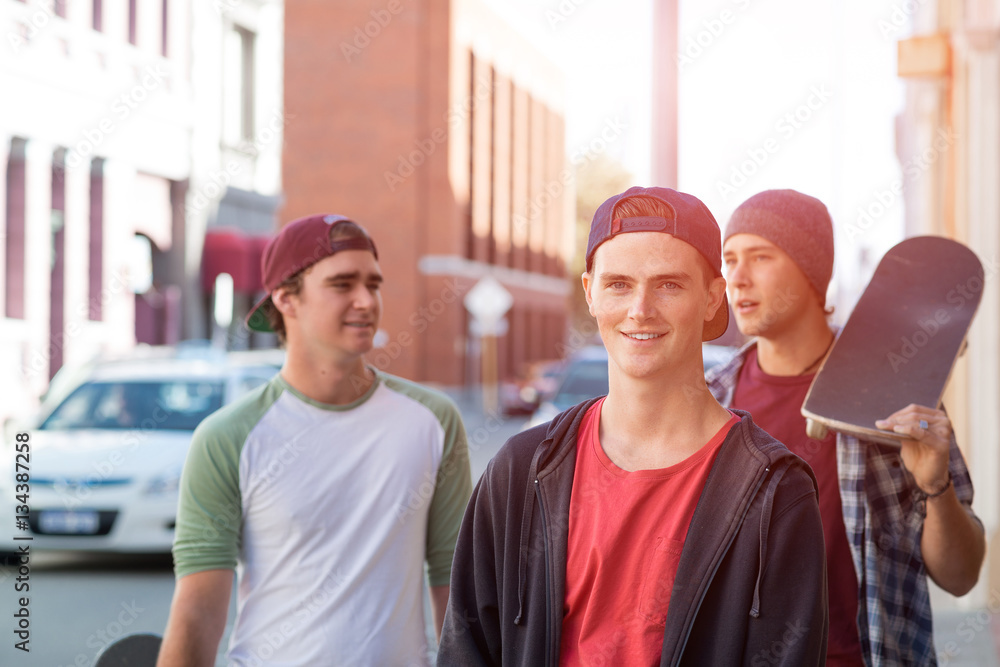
(797, 223)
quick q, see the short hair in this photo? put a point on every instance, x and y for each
(344, 229)
(640, 206)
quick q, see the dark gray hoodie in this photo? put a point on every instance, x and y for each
(750, 588)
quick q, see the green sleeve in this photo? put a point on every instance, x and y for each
(451, 495)
(209, 511)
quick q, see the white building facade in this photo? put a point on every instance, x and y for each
(129, 130)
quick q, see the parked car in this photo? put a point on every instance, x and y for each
(537, 383)
(108, 446)
(586, 376)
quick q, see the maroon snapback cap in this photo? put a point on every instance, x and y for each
(689, 220)
(297, 246)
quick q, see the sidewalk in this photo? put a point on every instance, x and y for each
(964, 637)
(486, 431)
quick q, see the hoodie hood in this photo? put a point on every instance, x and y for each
(756, 558)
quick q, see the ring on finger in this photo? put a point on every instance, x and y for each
(923, 424)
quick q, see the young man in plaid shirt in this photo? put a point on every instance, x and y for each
(891, 515)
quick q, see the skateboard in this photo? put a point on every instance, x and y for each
(901, 341)
(138, 650)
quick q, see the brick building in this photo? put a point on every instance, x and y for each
(440, 129)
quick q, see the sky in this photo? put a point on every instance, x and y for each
(606, 55)
(772, 94)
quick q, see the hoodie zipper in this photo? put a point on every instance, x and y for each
(711, 575)
(549, 658)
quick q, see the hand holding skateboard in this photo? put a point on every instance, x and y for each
(926, 447)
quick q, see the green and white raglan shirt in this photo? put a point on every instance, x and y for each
(328, 514)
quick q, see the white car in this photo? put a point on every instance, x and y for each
(107, 448)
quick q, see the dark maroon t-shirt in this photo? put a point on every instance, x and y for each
(774, 404)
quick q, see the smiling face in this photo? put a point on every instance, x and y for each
(651, 294)
(338, 308)
(768, 291)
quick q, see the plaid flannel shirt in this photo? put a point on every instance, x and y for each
(884, 518)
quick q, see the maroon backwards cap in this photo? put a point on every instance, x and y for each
(690, 221)
(297, 246)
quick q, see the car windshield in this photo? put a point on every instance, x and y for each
(174, 405)
(583, 380)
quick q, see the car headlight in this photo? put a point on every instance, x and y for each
(166, 483)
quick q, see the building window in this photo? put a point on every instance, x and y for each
(514, 175)
(98, 15)
(14, 226)
(529, 176)
(470, 239)
(131, 22)
(238, 91)
(57, 279)
(491, 248)
(96, 264)
(164, 24)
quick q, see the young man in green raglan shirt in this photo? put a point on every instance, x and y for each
(306, 486)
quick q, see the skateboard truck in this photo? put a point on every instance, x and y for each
(816, 430)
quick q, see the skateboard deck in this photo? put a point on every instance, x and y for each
(901, 341)
(138, 650)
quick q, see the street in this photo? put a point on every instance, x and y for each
(80, 603)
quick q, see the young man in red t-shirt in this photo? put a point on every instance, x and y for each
(651, 526)
(891, 515)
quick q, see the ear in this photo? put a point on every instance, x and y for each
(820, 298)
(284, 301)
(586, 279)
(716, 292)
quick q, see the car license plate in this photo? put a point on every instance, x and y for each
(68, 523)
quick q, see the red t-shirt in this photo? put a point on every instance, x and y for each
(774, 402)
(626, 533)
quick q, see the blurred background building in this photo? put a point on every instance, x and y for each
(143, 143)
(441, 130)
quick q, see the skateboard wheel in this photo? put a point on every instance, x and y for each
(816, 430)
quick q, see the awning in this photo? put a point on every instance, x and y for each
(230, 251)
